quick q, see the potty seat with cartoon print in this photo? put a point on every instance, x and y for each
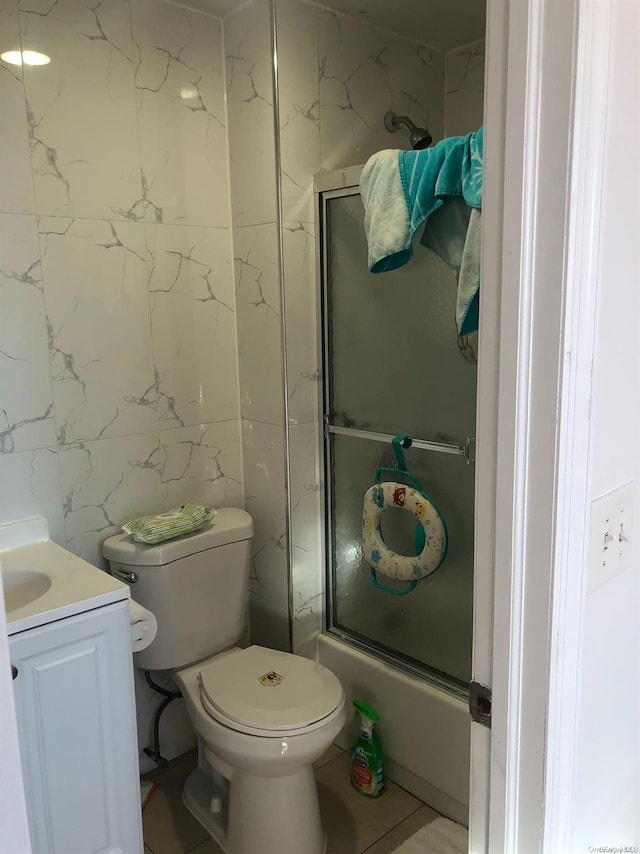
(404, 492)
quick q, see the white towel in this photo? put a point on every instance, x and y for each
(439, 837)
(386, 217)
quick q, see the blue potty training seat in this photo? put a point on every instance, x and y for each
(431, 530)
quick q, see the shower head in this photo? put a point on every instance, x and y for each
(420, 137)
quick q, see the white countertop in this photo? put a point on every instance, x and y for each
(76, 586)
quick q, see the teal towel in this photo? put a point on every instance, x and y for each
(468, 301)
(402, 190)
(454, 233)
(452, 168)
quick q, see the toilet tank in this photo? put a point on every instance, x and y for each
(196, 586)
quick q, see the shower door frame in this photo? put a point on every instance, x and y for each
(337, 185)
(330, 186)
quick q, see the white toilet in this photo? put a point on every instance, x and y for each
(262, 716)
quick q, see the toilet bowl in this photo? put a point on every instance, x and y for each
(273, 803)
(262, 717)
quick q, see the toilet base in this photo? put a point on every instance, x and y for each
(196, 796)
(274, 815)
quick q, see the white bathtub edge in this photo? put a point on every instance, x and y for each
(425, 732)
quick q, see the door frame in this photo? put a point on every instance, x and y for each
(530, 80)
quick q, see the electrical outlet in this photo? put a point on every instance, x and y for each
(610, 535)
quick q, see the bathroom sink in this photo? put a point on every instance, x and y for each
(42, 582)
(22, 587)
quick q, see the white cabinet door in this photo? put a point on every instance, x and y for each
(76, 721)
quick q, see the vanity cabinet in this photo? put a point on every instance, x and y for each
(73, 684)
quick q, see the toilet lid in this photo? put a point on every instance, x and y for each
(266, 689)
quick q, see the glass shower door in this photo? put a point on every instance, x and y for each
(393, 365)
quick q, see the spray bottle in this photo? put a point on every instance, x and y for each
(367, 773)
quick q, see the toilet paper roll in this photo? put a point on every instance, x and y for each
(144, 626)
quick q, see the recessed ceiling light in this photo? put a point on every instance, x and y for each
(25, 57)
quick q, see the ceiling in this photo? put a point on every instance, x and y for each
(440, 23)
(444, 24)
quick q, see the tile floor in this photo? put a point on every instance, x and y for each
(354, 824)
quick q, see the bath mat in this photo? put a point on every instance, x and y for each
(439, 837)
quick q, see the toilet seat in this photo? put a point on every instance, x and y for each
(269, 693)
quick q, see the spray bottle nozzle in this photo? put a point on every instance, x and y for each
(368, 715)
(366, 711)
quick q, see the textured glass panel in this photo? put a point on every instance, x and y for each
(433, 624)
(395, 363)
(395, 366)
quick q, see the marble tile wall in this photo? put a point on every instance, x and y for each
(117, 309)
(336, 79)
(364, 72)
(464, 90)
(118, 348)
(254, 207)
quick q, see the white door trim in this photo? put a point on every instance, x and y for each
(495, 88)
(573, 500)
(530, 80)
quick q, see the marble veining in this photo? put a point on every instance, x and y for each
(259, 322)
(202, 464)
(464, 99)
(26, 407)
(299, 106)
(181, 115)
(304, 374)
(34, 489)
(105, 483)
(263, 452)
(99, 329)
(465, 69)
(252, 157)
(81, 107)
(193, 325)
(363, 73)
(15, 163)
